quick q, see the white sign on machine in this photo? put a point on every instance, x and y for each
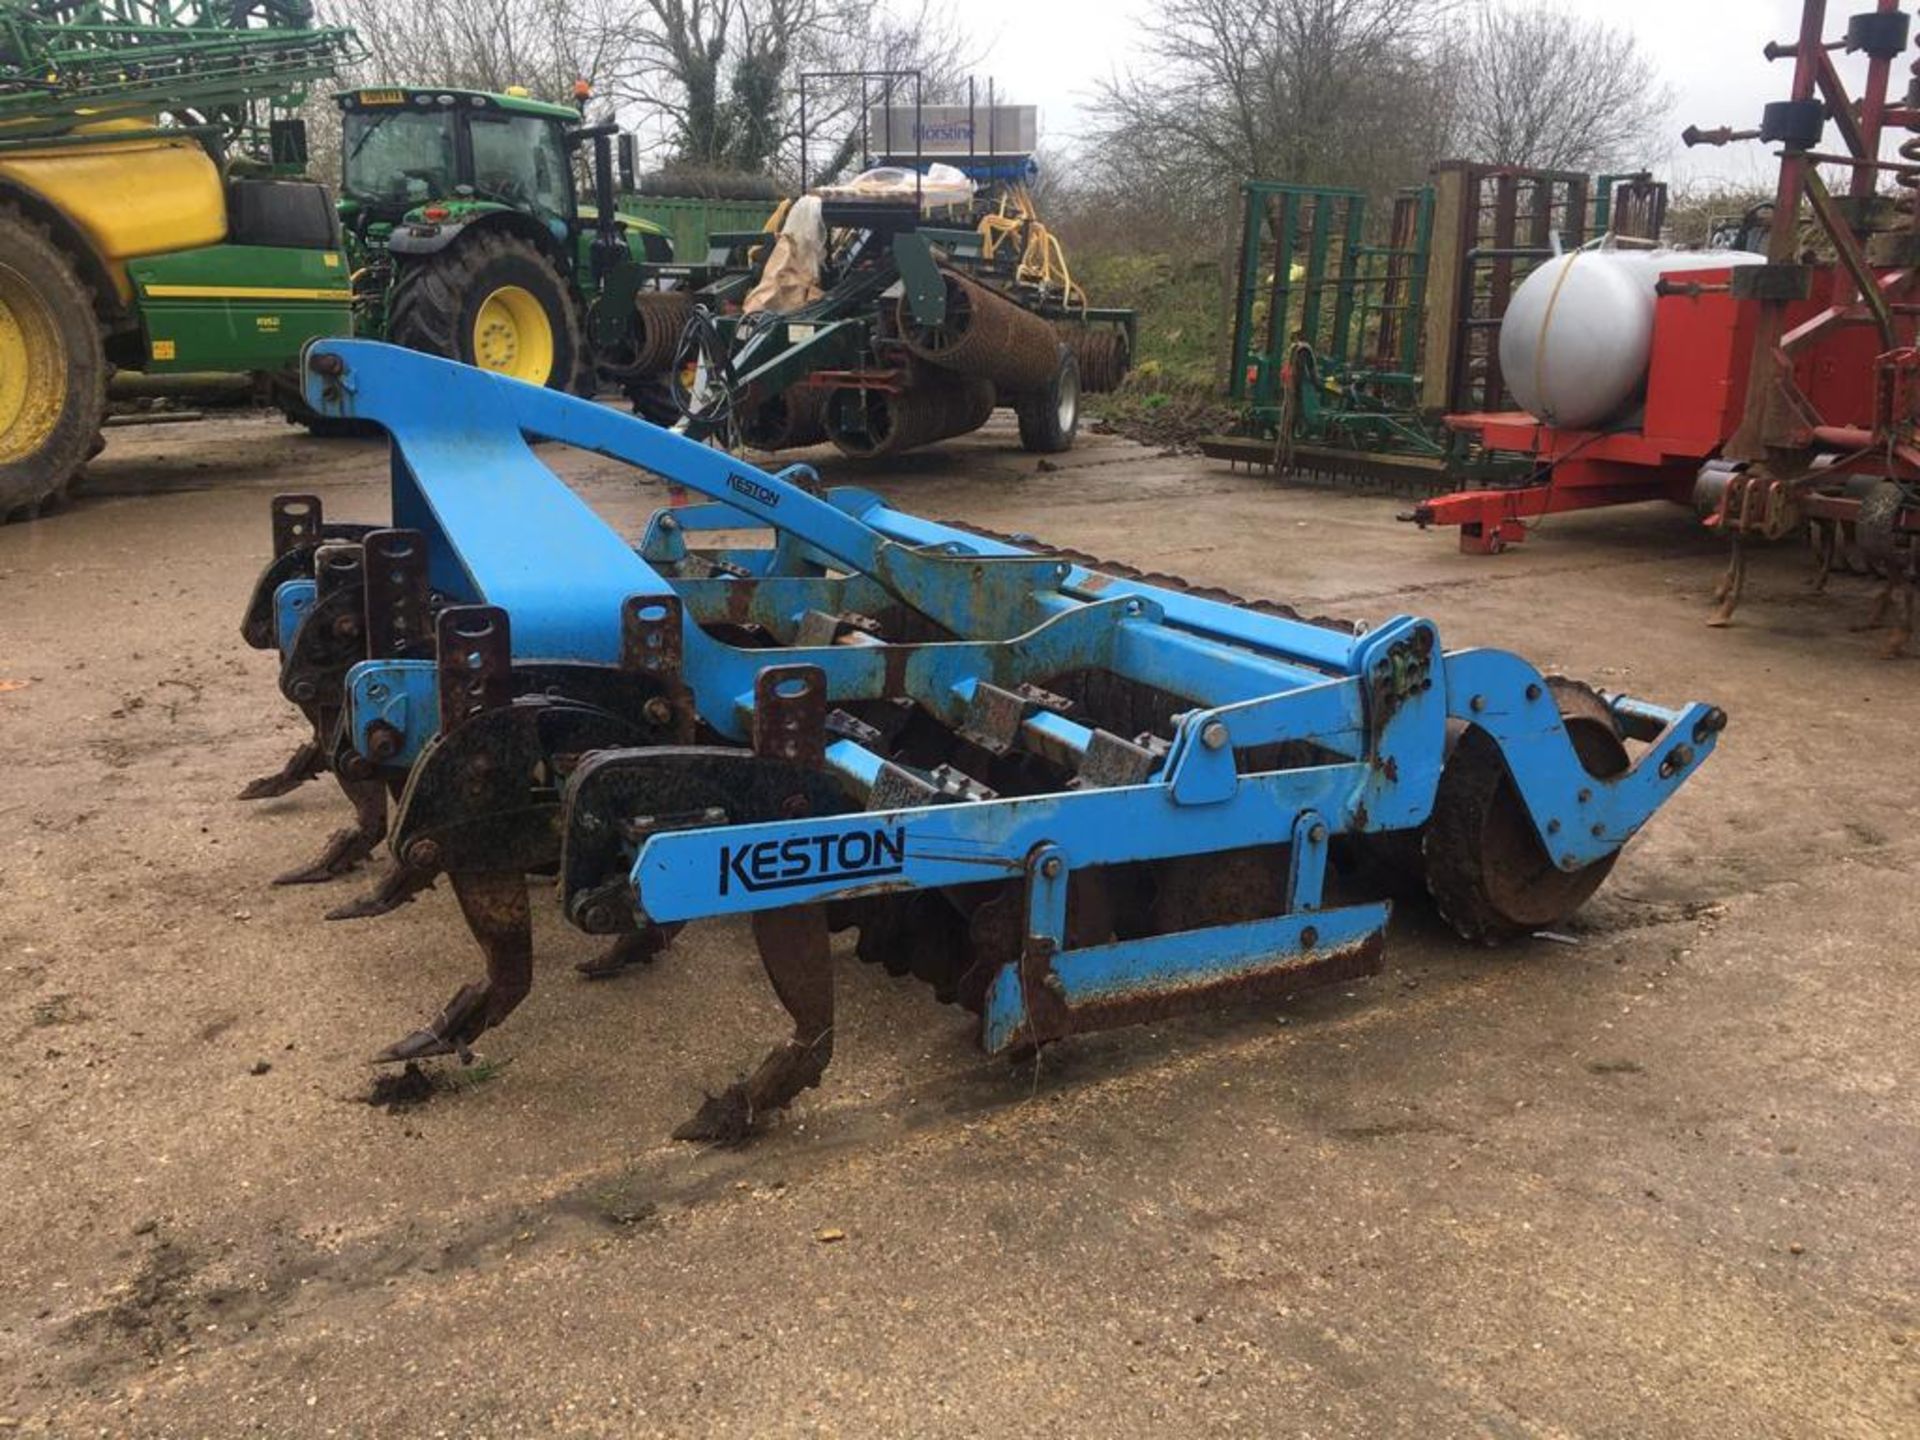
(948, 130)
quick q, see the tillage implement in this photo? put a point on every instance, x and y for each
(1064, 794)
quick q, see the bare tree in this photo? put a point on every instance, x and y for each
(1314, 91)
(720, 77)
(543, 45)
(710, 84)
(1554, 91)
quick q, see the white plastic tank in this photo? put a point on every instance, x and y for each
(1577, 333)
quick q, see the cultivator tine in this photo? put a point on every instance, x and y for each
(636, 947)
(500, 916)
(483, 797)
(789, 727)
(1727, 593)
(346, 849)
(796, 951)
(307, 762)
(397, 887)
(330, 638)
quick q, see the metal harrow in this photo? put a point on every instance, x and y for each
(1065, 795)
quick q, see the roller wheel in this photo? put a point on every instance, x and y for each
(53, 373)
(1877, 526)
(493, 301)
(1488, 874)
(1049, 418)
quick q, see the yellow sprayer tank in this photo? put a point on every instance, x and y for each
(130, 197)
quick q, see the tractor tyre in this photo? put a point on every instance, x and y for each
(493, 301)
(1049, 418)
(53, 370)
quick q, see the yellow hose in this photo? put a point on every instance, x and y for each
(1043, 261)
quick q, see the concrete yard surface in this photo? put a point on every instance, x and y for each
(1663, 1180)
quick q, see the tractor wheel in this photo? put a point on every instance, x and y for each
(492, 301)
(1489, 876)
(1050, 417)
(53, 372)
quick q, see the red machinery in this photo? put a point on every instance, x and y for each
(1778, 395)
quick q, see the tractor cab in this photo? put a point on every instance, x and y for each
(404, 150)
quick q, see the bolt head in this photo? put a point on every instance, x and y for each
(303, 690)
(657, 711)
(1214, 736)
(1051, 867)
(423, 854)
(1317, 834)
(1477, 704)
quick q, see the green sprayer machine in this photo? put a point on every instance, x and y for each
(147, 220)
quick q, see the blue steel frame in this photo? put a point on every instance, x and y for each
(502, 530)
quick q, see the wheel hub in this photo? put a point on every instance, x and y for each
(1067, 406)
(512, 336)
(33, 369)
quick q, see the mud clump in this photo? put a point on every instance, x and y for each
(1170, 421)
(407, 1090)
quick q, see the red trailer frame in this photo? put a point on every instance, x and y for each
(1774, 391)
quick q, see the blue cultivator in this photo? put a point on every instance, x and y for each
(1065, 795)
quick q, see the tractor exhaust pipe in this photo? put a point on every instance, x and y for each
(607, 247)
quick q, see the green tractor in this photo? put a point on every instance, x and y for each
(467, 238)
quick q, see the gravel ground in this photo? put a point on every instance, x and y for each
(1660, 1181)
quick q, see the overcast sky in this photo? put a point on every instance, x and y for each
(1049, 53)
